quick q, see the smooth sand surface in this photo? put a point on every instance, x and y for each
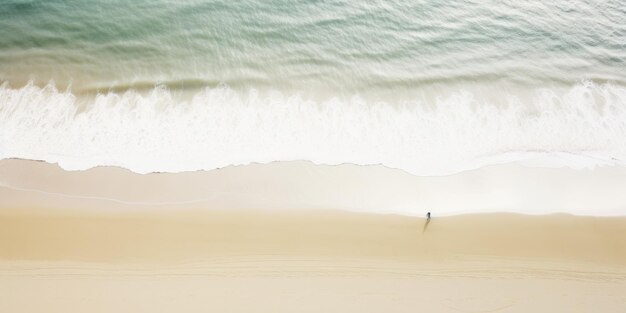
(58, 257)
(215, 261)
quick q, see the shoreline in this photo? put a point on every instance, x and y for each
(299, 185)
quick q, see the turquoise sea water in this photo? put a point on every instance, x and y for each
(334, 46)
(428, 86)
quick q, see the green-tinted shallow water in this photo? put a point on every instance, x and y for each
(326, 47)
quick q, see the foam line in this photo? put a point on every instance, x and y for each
(582, 127)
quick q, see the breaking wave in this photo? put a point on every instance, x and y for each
(156, 132)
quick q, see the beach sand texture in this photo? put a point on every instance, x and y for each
(310, 262)
(179, 258)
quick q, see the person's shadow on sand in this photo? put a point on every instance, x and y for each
(426, 223)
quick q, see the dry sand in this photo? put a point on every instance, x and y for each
(176, 258)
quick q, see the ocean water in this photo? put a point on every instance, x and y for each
(430, 87)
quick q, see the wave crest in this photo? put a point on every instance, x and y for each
(217, 127)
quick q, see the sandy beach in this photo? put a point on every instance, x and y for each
(310, 262)
(312, 156)
(85, 252)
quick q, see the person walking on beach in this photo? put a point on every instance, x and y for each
(427, 221)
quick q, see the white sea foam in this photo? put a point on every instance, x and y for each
(154, 132)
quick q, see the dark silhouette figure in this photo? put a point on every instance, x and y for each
(427, 221)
